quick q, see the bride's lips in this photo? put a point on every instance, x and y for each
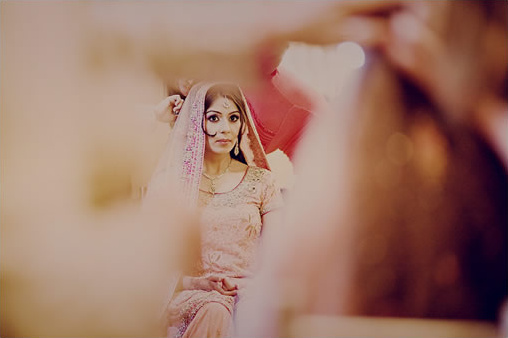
(223, 141)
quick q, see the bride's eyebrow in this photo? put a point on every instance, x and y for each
(218, 112)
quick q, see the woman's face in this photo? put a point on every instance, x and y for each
(222, 120)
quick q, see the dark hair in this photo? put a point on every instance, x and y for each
(232, 92)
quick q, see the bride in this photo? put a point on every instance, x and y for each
(215, 161)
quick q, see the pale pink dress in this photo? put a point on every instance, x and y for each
(231, 229)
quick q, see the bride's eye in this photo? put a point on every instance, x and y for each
(212, 118)
(234, 118)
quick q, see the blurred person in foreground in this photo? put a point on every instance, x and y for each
(215, 161)
(406, 213)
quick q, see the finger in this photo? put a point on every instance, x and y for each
(178, 106)
(404, 43)
(173, 100)
(229, 285)
(227, 292)
(367, 31)
(230, 293)
(214, 278)
(434, 13)
(413, 47)
(175, 97)
(218, 286)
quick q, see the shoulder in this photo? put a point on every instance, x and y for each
(259, 171)
(260, 174)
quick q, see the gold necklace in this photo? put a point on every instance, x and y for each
(213, 179)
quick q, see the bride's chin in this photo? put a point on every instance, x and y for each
(221, 151)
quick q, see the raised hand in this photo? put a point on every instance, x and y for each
(168, 109)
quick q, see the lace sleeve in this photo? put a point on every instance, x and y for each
(271, 198)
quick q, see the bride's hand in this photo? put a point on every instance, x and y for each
(222, 285)
(229, 284)
(236, 283)
(168, 109)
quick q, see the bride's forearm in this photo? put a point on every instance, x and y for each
(189, 283)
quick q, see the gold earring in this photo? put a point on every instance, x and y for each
(237, 149)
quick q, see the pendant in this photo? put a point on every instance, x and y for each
(212, 187)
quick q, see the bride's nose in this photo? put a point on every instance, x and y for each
(225, 126)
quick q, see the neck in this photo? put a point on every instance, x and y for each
(216, 164)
